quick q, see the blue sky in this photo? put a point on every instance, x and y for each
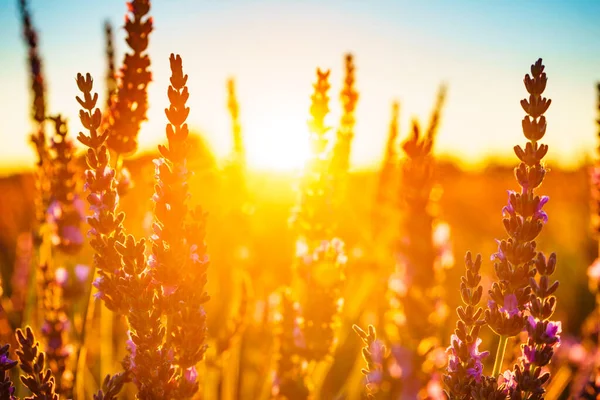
(403, 50)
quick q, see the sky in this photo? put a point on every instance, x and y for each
(403, 51)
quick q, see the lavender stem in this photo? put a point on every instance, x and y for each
(500, 355)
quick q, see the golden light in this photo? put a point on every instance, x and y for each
(277, 141)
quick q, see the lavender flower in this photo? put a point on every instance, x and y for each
(374, 355)
(422, 307)
(38, 107)
(111, 75)
(236, 176)
(35, 66)
(313, 217)
(290, 379)
(179, 258)
(7, 388)
(522, 298)
(434, 119)
(129, 107)
(32, 362)
(323, 274)
(65, 213)
(123, 282)
(465, 361)
(523, 219)
(595, 182)
(239, 153)
(55, 329)
(111, 386)
(341, 152)
(517, 272)
(105, 222)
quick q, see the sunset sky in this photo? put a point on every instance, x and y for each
(403, 50)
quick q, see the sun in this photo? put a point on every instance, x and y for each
(278, 141)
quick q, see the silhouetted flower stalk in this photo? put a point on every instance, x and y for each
(322, 273)
(129, 108)
(36, 377)
(111, 74)
(35, 65)
(107, 230)
(290, 380)
(38, 110)
(313, 216)
(179, 260)
(595, 180)
(7, 387)
(55, 330)
(237, 171)
(106, 221)
(416, 245)
(421, 310)
(592, 387)
(517, 261)
(345, 133)
(239, 151)
(385, 198)
(111, 386)
(373, 353)
(434, 119)
(320, 260)
(522, 297)
(66, 210)
(59, 213)
(60, 233)
(465, 361)
(162, 297)
(123, 285)
(594, 269)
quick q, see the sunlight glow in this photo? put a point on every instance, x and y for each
(279, 141)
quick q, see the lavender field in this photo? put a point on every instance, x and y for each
(173, 230)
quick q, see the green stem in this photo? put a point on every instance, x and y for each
(106, 340)
(500, 356)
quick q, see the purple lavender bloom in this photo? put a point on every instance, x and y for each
(474, 350)
(476, 370)
(453, 361)
(474, 364)
(511, 305)
(539, 213)
(509, 209)
(552, 332)
(554, 329)
(529, 354)
(132, 347)
(500, 256)
(191, 374)
(507, 382)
